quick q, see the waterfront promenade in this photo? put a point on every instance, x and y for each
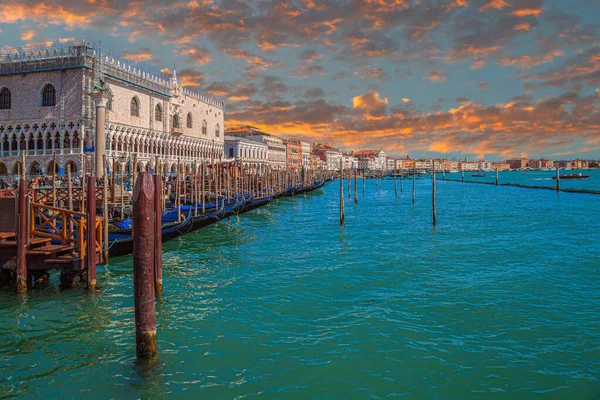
(499, 300)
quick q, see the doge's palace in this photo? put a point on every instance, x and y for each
(47, 109)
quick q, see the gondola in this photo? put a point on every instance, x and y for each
(257, 203)
(121, 242)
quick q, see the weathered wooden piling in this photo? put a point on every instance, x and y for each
(202, 188)
(496, 176)
(54, 179)
(433, 184)
(22, 237)
(122, 195)
(395, 184)
(462, 179)
(557, 179)
(355, 192)
(91, 232)
(401, 182)
(363, 179)
(144, 240)
(105, 210)
(342, 216)
(158, 235)
(413, 186)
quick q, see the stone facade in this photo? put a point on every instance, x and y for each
(276, 147)
(294, 153)
(169, 122)
(246, 151)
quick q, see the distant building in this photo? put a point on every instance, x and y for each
(306, 151)
(47, 108)
(330, 156)
(424, 164)
(349, 161)
(372, 159)
(277, 151)
(408, 164)
(468, 166)
(517, 163)
(294, 153)
(500, 166)
(485, 165)
(246, 151)
(315, 162)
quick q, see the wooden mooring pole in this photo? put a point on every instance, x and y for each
(395, 183)
(158, 234)
(143, 266)
(496, 176)
(105, 210)
(342, 216)
(22, 237)
(462, 179)
(355, 192)
(434, 211)
(91, 232)
(557, 179)
(401, 182)
(349, 179)
(413, 186)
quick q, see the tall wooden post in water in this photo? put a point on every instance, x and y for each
(105, 210)
(22, 237)
(395, 183)
(355, 193)
(143, 266)
(433, 195)
(496, 176)
(413, 186)
(557, 179)
(342, 216)
(158, 234)
(91, 232)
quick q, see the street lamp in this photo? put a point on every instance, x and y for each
(126, 157)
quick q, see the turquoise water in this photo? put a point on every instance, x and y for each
(536, 178)
(500, 300)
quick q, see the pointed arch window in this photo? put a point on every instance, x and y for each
(204, 126)
(158, 113)
(48, 96)
(217, 130)
(5, 99)
(135, 107)
(190, 120)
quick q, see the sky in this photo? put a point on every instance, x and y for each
(491, 79)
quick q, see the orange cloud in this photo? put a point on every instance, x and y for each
(497, 4)
(370, 103)
(54, 14)
(435, 76)
(525, 12)
(28, 34)
(139, 55)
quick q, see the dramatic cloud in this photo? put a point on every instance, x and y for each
(139, 55)
(494, 77)
(370, 103)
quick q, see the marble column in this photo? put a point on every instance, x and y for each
(100, 101)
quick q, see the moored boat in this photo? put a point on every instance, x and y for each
(572, 176)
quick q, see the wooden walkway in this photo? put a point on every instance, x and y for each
(56, 238)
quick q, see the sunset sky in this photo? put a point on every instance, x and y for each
(474, 78)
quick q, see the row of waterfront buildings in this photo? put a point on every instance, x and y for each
(71, 105)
